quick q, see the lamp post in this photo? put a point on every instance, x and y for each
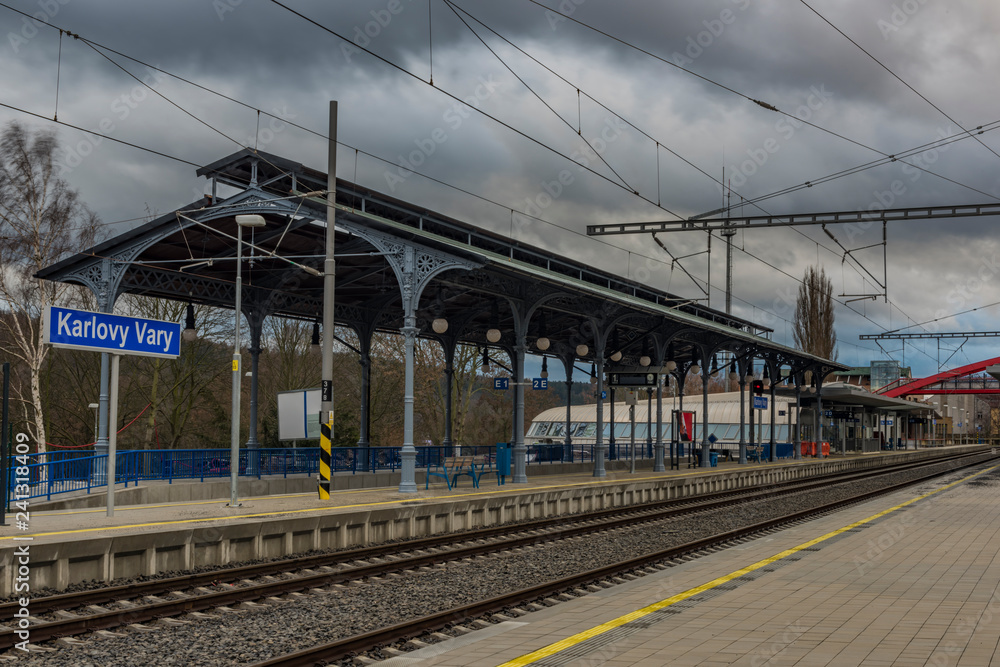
(234, 454)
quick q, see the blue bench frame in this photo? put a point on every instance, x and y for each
(455, 466)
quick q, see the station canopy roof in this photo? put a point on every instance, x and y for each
(840, 393)
(387, 249)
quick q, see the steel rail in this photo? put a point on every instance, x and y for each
(193, 603)
(106, 594)
(323, 654)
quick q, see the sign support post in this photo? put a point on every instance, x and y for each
(112, 466)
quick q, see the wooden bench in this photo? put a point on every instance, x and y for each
(450, 468)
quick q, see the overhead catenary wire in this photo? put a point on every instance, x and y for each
(365, 152)
(456, 98)
(765, 105)
(547, 105)
(884, 160)
(896, 76)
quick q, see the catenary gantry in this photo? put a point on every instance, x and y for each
(398, 268)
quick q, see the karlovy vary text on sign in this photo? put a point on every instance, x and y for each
(82, 328)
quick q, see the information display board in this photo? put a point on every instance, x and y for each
(298, 414)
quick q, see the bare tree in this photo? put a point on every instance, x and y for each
(813, 323)
(41, 220)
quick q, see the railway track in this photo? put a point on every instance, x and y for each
(78, 613)
(345, 648)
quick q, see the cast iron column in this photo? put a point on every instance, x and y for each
(408, 456)
(599, 470)
(649, 421)
(520, 451)
(819, 418)
(364, 422)
(705, 444)
(256, 327)
(658, 465)
(798, 429)
(774, 446)
(743, 418)
(449, 379)
(568, 365)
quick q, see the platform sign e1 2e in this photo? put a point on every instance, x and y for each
(115, 334)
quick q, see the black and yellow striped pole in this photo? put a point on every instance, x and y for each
(329, 282)
(325, 436)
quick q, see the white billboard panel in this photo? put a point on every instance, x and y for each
(298, 414)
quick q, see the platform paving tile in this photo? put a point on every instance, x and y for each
(900, 592)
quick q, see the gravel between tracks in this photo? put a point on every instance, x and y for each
(252, 636)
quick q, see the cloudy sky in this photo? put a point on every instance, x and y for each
(653, 128)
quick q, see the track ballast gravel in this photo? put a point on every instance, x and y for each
(256, 635)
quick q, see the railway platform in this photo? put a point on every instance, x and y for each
(911, 578)
(75, 545)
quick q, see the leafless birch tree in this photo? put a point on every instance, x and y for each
(41, 221)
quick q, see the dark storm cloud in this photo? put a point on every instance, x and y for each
(776, 52)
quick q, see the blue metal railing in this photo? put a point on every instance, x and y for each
(53, 473)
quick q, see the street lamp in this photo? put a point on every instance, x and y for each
(234, 457)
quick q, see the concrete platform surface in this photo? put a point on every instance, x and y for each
(61, 525)
(909, 579)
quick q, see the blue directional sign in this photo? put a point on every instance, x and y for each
(117, 334)
(540, 383)
(501, 383)
(760, 402)
(604, 395)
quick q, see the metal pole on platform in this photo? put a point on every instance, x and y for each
(631, 414)
(234, 428)
(329, 283)
(113, 434)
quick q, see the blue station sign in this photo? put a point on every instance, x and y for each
(116, 334)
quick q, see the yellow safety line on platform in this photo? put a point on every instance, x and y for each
(118, 508)
(558, 647)
(357, 505)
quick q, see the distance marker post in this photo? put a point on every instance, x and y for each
(325, 436)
